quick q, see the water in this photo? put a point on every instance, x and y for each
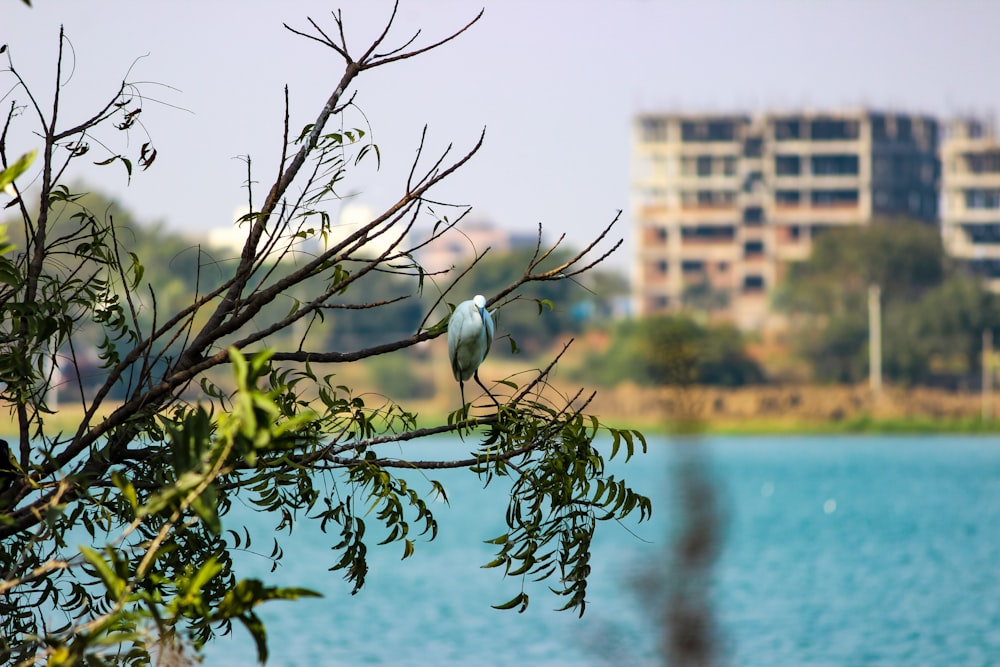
(835, 551)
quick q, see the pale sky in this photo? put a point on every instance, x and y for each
(554, 83)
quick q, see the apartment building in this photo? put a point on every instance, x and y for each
(722, 202)
(970, 202)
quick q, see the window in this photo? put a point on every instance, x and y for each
(980, 198)
(834, 197)
(753, 147)
(704, 165)
(787, 165)
(662, 267)
(707, 198)
(904, 129)
(787, 197)
(708, 130)
(983, 163)
(753, 283)
(988, 233)
(835, 165)
(753, 248)
(828, 129)
(753, 215)
(653, 129)
(692, 265)
(789, 129)
(986, 267)
(729, 165)
(708, 233)
(879, 130)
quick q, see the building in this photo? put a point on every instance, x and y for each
(970, 202)
(723, 201)
(457, 247)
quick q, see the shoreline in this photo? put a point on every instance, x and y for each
(754, 410)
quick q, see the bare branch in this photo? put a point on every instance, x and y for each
(410, 54)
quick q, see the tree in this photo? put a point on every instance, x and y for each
(676, 350)
(932, 314)
(152, 478)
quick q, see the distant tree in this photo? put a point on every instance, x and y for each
(676, 350)
(904, 258)
(150, 480)
(932, 314)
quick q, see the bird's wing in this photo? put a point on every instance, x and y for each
(454, 335)
(488, 325)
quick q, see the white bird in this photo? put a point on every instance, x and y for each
(470, 335)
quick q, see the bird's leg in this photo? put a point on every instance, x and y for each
(488, 393)
(465, 408)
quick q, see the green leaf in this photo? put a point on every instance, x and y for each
(253, 624)
(206, 506)
(114, 583)
(520, 600)
(205, 573)
(127, 489)
(20, 166)
(514, 349)
(137, 270)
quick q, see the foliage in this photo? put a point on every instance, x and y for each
(671, 350)
(149, 480)
(932, 314)
(903, 257)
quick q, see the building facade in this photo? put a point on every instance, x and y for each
(722, 202)
(457, 247)
(970, 201)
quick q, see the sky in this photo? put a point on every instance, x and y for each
(554, 84)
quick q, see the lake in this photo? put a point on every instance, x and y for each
(848, 550)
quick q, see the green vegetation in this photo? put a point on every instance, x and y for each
(200, 381)
(932, 314)
(676, 351)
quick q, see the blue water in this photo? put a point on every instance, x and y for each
(834, 551)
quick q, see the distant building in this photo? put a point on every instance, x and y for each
(460, 245)
(301, 239)
(970, 202)
(723, 201)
